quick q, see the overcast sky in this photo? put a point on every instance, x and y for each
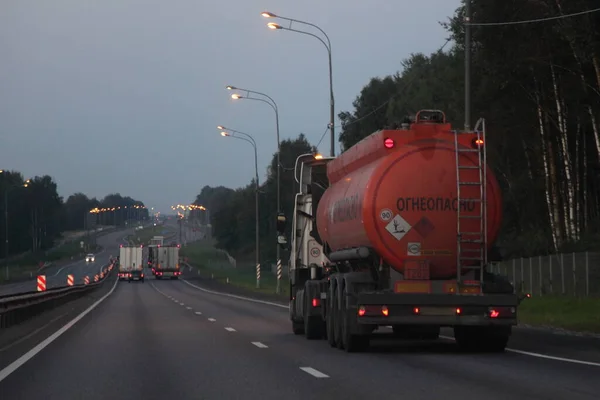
(125, 95)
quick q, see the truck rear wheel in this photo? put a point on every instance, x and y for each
(484, 339)
(330, 318)
(297, 328)
(351, 342)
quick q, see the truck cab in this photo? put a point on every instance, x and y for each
(307, 263)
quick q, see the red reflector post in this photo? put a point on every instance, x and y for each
(388, 143)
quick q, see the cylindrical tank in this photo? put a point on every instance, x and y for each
(402, 203)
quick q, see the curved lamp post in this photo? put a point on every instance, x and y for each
(269, 100)
(225, 132)
(327, 44)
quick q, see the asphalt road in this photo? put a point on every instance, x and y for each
(167, 339)
(56, 276)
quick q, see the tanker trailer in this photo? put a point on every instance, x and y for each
(396, 232)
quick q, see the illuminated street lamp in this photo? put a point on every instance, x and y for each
(273, 105)
(248, 138)
(327, 44)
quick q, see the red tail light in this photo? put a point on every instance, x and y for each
(316, 302)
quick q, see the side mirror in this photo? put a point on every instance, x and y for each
(523, 296)
(281, 223)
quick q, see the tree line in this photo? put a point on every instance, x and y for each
(537, 84)
(37, 215)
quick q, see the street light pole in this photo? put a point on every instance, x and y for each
(327, 45)
(273, 105)
(6, 230)
(257, 186)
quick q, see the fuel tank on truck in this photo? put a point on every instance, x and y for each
(395, 192)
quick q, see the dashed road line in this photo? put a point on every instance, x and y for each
(527, 353)
(314, 372)
(260, 345)
(230, 329)
(212, 319)
(269, 303)
(198, 313)
(181, 304)
(189, 308)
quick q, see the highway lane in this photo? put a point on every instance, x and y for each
(56, 276)
(140, 344)
(165, 339)
(416, 370)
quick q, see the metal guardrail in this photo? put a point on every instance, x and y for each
(18, 308)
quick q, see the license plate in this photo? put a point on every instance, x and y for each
(416, 270)
(438, 311)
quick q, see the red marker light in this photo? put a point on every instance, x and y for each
(477, 142)
(388, 143)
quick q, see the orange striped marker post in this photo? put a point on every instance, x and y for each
(41, 283)
(70, 280)
(86, 280)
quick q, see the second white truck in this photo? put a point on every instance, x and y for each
(166, 264)
(131, 264)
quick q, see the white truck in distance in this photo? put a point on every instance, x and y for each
(131, 265)
(157, 241)
(167, 262)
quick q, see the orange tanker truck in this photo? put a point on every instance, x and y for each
(396, 232)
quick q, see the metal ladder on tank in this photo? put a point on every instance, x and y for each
(476, 257)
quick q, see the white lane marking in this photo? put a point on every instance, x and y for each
(181, 304)
(314, 372)
(42, 345)
(22, 338)
(237, 297)
(531, 354)
(229, 329)
(189, 308)
(260, 345)
(212, 319)
(539, 355)
(198, 313)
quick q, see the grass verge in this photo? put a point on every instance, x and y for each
(213, 263)
(571, 313)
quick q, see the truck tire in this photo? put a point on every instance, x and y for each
(351, 342)
(330, 318)
(482, 339)
(313, 325)
(297, 328)
(337, 320)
